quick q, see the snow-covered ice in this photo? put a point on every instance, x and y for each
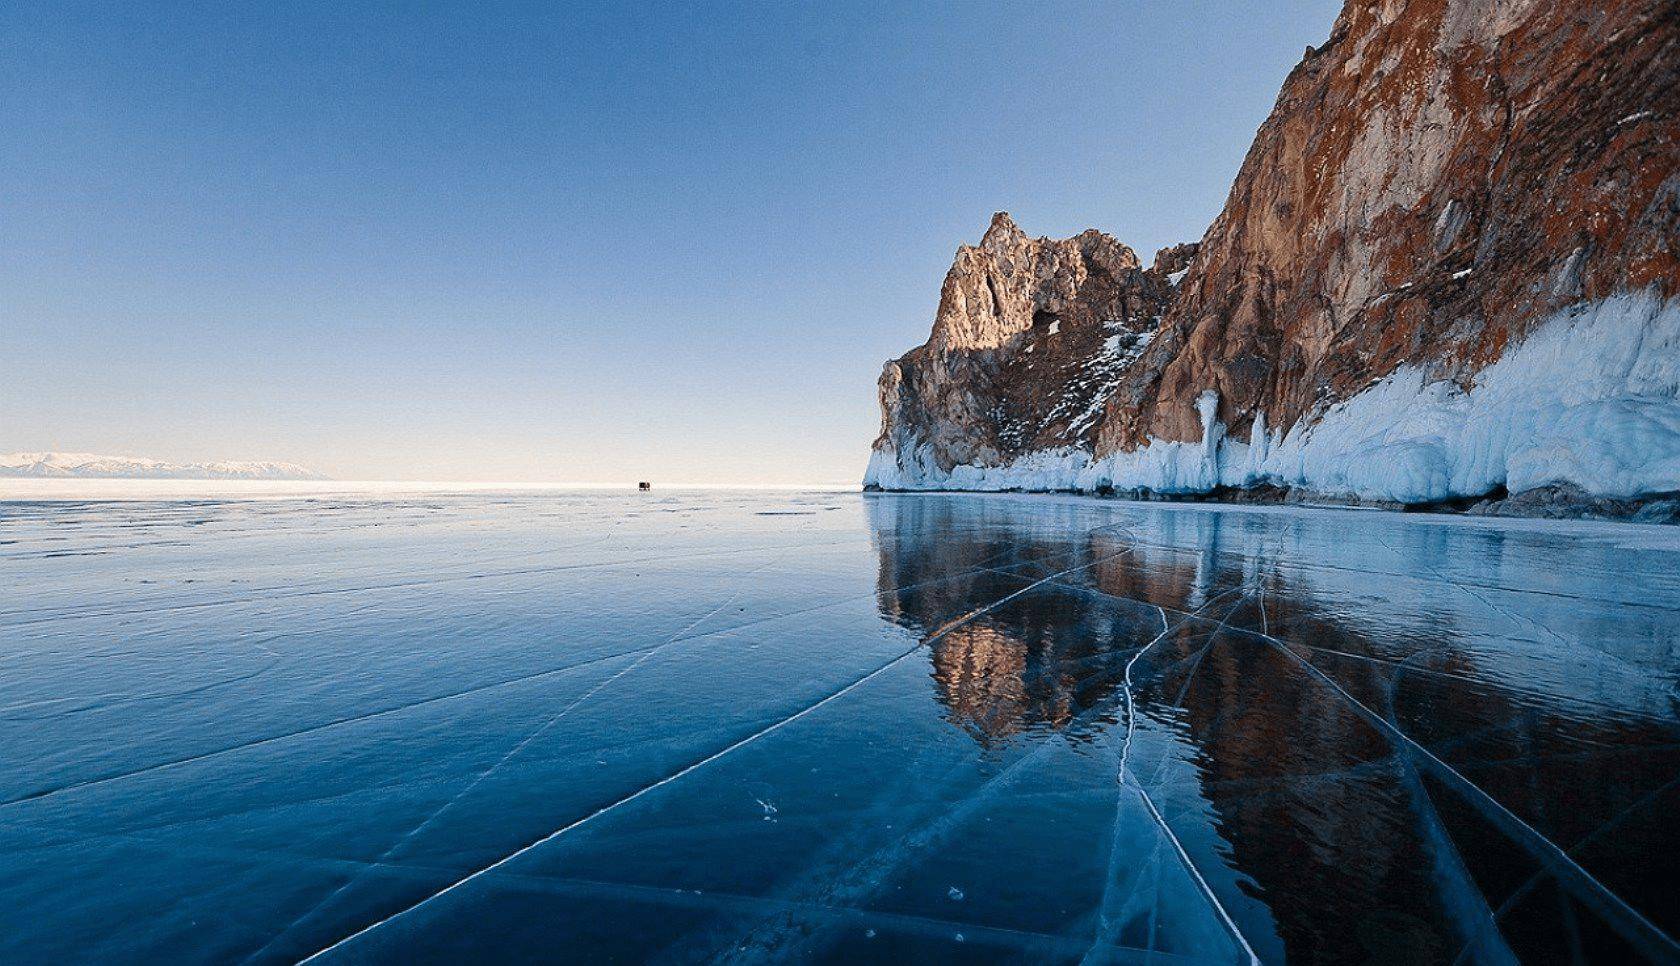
(434, 726)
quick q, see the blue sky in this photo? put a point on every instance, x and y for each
(563, 242)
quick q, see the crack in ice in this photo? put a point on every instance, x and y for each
(701, 763)
(483, 776)
(1625, 920)
(476, 689)
(1105, 926)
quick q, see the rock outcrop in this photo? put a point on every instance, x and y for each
(1449, 264)
(1030, 337)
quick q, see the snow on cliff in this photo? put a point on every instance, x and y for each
(1592, 399)
(91, 466)
(1447, 265)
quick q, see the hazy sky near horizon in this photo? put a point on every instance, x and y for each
(563, 241)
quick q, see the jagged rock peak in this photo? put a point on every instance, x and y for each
(1003, 235)
(996, 289)
(1028, 333)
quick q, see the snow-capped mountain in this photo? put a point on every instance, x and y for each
(1447, 270)
(92, 466)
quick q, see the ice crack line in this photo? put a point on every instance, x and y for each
(1201, 883)
(423, 702)
(1533, 882)
(1465, 902)
(703, 762)
(1627, 921)
(118, 699)
(1126, 687)
(1206, 890)
(299, 732)
(864, 876)
(513, 752)
(284, 593)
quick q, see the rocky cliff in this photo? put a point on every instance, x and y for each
(1448, 266)
(1031, 336)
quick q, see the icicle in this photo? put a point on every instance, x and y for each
(1207, 405)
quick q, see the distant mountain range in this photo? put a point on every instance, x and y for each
(87, 466)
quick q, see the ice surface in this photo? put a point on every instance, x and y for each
(1591, 398)
(768, 727)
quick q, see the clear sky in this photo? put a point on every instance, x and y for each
(563, 241)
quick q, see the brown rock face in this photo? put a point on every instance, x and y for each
(1433, 182)
(1031, 335)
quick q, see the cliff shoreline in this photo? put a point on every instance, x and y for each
(1448, 270)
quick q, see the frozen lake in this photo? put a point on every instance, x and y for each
(759, 727)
